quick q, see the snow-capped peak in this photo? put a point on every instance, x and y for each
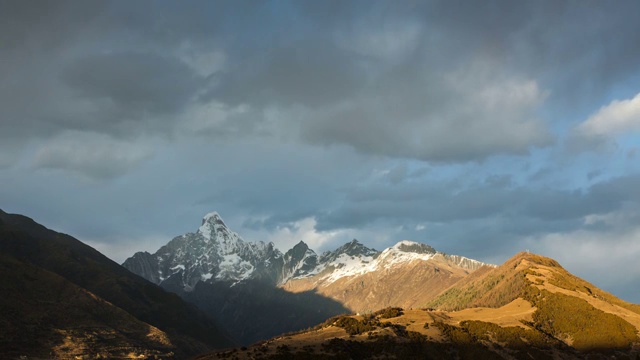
(212, 217)
(405, 251)
(212, 224)
(353, 258)
(351, 249)
(212, 253)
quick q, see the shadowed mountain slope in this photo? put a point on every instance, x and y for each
(253, 310)
(26, 243)
(46, 316)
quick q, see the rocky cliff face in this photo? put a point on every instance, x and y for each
(145, 265)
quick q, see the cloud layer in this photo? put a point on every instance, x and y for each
(482, 128)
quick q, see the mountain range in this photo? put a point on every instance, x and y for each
(214, 264)
(215, 254)
(211, 290)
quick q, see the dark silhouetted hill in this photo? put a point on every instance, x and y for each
(78, 285)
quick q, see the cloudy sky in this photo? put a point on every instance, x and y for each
(480, 128)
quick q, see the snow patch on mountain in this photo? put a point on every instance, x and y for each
(353, 259)
(234, 267)
(346, 265)
(206, 276)
(466, 263)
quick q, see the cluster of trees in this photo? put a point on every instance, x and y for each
(369, 322)
(354, 326)
(389, 312)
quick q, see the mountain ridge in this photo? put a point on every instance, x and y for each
(214, 264)
(215, 253)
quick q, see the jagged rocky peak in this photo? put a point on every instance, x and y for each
(353, 249)
(299, 261)
(298, 250)
(414, 247)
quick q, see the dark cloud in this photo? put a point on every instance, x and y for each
(432, 81)
(496, 198)
(44, 24)
(139, 83)
(308, 73)
(408, 99)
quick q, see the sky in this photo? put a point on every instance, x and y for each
(480, 128)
